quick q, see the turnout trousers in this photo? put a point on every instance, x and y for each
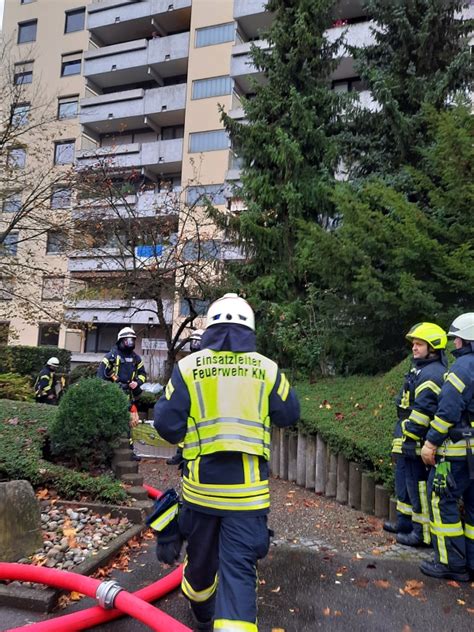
(416, 477)
(404, 508)
(453, 542)
(220, 568)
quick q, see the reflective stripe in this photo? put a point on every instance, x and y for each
(411, 435)
(404, 508)
(142, 378)
(284, 387)
(229, 420)
(469, 531)
(243, 490)
(439, 541)
(226, 625)
(455, 450)
(169, 390)
(397, 445)
(227, 504)
(425, 514)
(200, 399)
(419, 418)
(197, 596)
(440, 425)
(456, 382)
(260, 398)
(251, 468)
(428, 384)
(450, 530)
(163, 521)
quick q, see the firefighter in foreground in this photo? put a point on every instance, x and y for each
(449, 447)
(417, 405)
(45, 384)
(221, 400)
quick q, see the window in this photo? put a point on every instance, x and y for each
(68, 107)
(23, 73)
(199, 305)
(201, 251)
(27, 31)
(53, 288)
(48, 335)
(4, 330)
(213, 193)
(171, 132)
(20, 114)
(16, 158)
(215, 34)
(61, 197)
(56, 242)
(7, 288)
(9, 246)
(208, 141)
(74, 20)
(101, 337)
(217, 86)
(71, 64)
(12, 203)
(64, 152)
(353, 84)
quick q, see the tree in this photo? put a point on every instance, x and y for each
(154, 251)
(34, 192)
(288, 146)
(420, 59)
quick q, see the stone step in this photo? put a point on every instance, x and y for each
(119, 456)
(139, 493)
(125, 467)
(132, 479)
(145, 505)
(123, 442)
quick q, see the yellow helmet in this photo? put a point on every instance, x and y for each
(433, 334)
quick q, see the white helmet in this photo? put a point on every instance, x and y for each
(463, 327)
(54, 362)
(197, 334)
(231, 308)
(195, 340)
(126, 332)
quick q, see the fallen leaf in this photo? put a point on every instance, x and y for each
(470, 610)
(337, 613)
(75, 596)
(362, 582)
(376, 552)
(276, 590)
(461, 602)
(327, 612)
(413, 587)
(382, 583)
(406, 628)
(42, 494)
(278, 629)
(262, 582)
(453, 583)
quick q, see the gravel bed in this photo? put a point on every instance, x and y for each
(300, 518)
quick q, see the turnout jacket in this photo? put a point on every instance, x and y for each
(122, 368)
(456, 405)
(221, 401)
(45, 382)
(417, 403)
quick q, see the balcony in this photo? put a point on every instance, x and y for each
(138, 60)
(251, 17)
(241, 65)
(158, 157)
(136, 312)
(146, 204)
(134, 109)
(121, 20)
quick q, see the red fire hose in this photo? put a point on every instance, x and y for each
(108, 593)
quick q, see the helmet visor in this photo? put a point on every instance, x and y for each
(128, 343)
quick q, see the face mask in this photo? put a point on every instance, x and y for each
(128, 343)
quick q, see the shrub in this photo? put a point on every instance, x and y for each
(146, 401)
(92, 415)
(30, 360)
(16, 387)
(82, 371)
(24, 428)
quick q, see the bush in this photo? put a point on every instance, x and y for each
(24, 429)
(146, 401)
(82, 371)
(16, 387)
(30, 360)
(92, 415)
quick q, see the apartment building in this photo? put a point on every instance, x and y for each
(141, 81)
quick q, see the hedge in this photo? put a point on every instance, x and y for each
(355, 416)
(30, 360)
(24, 429)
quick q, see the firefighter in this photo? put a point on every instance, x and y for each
(194, 345)
(45, 384)
(221, 400)
(449, 446)
(416, 405)
(125, 367)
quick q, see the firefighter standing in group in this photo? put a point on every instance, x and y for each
(45, 384)
(221, 401)
(449, 447)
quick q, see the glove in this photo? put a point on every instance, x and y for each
(164, 521)
(443, 481)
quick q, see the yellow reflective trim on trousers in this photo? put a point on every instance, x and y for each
(227, 504)
(456, 382)
(447, 530)
(235, 491)
(419, 418)
(163, 521)
(439, 542)
(284, 387)
(169, 390)
(251, 468)
(226, 625)
(440, 425)
(404, 508)
(469, 531)
(425, 513)
(197, 596)
(397, 445)
(428, 384)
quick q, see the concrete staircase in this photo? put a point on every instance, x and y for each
(126, 469)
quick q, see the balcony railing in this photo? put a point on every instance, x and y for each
(136, 312)
(146, 204)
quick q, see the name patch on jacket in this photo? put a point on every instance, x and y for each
(206, 367)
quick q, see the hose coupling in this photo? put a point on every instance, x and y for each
(106, 594)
